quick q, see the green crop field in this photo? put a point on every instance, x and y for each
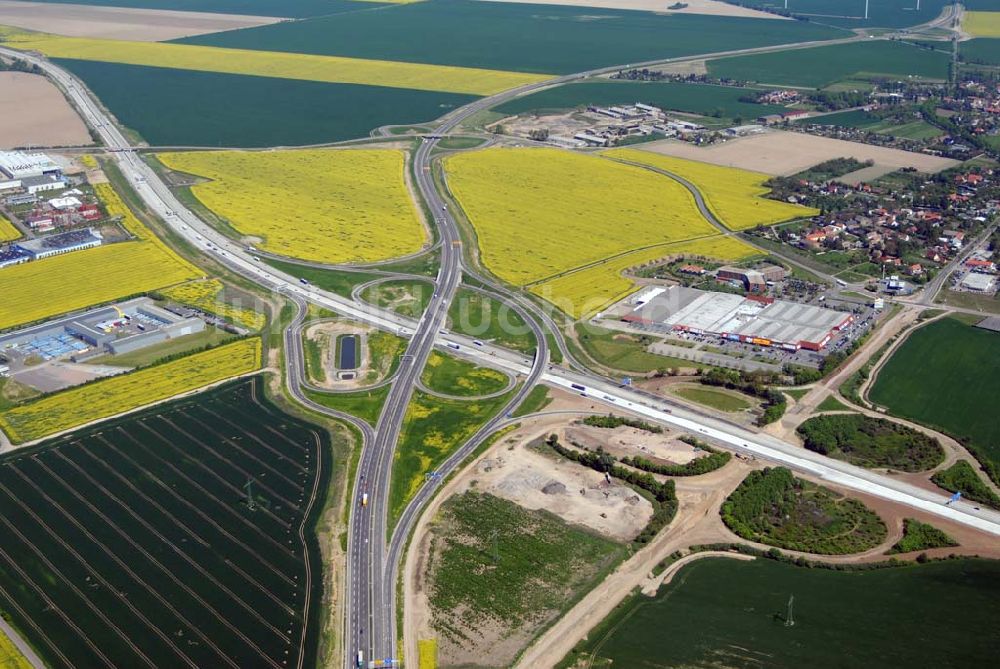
(727, 613)
(713, 397)
(851, 13)
(915, 129)
(433, 429)
(170, 107)
(983, 50)
(289, 8)
(365, 404)
(871, 442)
(451, 376)
(820, 66)
(704, 99)
(136, 543)
(477, 315)
(498, 564)
(773, 507)
(947, 375)
(516, 37)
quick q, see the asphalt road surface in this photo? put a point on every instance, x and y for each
(372, 564)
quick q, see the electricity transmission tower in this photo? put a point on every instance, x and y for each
(790, 619)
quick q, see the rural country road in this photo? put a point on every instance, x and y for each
(372, 562)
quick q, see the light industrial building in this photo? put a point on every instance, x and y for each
(980, 283)
(128, 326)
(65, 242)
(20, 165)
(755, 320)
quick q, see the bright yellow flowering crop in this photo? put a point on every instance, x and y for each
(733, 195)
(325, 205)
(118, 394)
(301, 66)
(204, 295)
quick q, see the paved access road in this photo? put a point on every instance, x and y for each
(372, 570)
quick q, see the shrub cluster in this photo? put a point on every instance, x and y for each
(612, 421)
(714, 460)
(871, 442)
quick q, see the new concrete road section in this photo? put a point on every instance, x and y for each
(372, 585)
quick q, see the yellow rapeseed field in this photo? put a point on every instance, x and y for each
(982, 24)
(205, 295)
(118, 394)
(586, 291)
(306, 67)
(44, 288)
(10, 656)
(428, 653)
(541, 212)
(324, 205)
(7, 230)
(733, 195)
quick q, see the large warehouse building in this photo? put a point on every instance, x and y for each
(753, 320)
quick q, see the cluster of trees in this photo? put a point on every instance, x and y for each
(919, 536)
(714, 460)
(773, 507)
(756, 384)
(871, 442)
(18, 65)
(612, 421)
(539, 135)
(962, 477)
(662, 495)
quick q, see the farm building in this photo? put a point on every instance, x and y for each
(753, 320)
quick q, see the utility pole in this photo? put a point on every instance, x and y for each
(248, 487)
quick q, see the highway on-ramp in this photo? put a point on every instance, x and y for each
(372, 565)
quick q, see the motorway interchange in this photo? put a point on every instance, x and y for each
(373, 562)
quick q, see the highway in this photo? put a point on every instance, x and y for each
(372, 564)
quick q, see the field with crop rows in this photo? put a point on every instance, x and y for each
(138, 544)
(207, 296)
(824, 65)
(306, 67)
(539, 212)
(44, 288)
(323, 205)
(453, 376)
(982, 24)
(518, 37)
(7, 230)
(735, 196)
(108, 397)
(585, 291)
(433, 428)
(875, 618)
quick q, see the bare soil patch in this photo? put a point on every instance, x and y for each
(781, 152)
(52, 376)
(664, 448)
(574, 493)
(142, 25)
(35, 113)
(709, 7)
